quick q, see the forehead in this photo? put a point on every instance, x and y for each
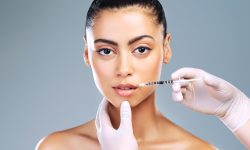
(125, 23)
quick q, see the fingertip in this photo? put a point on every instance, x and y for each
(180, 73)
(125, 109)
(176, 87)
(177, 97)
(125, 104)
(174, 76)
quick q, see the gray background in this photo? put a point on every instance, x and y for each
(45, 85)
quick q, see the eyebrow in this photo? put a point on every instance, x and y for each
(106, 41)
(139, 38)
(129, 42)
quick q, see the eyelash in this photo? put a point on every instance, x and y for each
(102, 51)
(144, 47)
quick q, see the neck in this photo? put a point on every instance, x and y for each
(144, 119)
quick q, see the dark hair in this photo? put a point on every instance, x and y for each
(154, 5)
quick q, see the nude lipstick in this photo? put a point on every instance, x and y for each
(125, 90)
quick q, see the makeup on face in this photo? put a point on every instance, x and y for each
(125, 90)
(122, 52)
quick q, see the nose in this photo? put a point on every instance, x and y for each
(124, 65)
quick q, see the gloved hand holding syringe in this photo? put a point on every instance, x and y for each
(208, 94)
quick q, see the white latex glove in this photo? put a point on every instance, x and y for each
(213, 96)
(110, 138)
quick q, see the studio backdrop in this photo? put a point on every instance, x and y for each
(45, 85)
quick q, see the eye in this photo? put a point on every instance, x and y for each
(141, 50)
(105, 51)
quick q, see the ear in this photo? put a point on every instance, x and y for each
(85, 52)
(167, 49)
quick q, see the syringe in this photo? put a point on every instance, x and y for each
(168, 82)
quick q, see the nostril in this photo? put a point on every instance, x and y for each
(124, 73)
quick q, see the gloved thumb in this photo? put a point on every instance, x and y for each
(126, 116)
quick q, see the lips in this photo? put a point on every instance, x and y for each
(125, 90)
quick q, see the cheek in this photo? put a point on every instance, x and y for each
(102, 69)
(102, 72)
(150, 68)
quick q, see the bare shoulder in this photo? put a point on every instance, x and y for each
(192, 142)
(80, 137)
(184, 139)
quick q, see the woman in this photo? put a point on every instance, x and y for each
(126, 43)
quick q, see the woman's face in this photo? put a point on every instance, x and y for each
(125, 47)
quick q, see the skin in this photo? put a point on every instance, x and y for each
(125, 64)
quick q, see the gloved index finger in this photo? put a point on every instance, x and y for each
(186, 73)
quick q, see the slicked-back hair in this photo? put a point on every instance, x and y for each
(153, 5)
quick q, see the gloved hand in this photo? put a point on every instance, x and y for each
(110, 138)
(212, 95)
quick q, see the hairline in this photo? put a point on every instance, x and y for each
(149, 11)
